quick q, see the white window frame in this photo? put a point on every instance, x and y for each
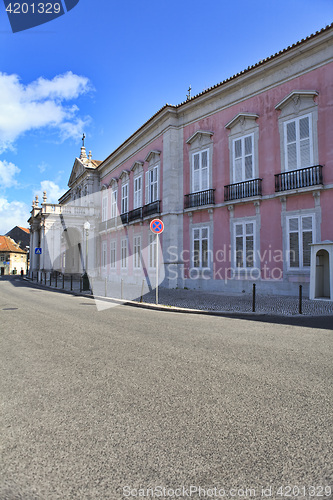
(113, 254)
(124, 253)
(104, 254)
(114, 204)
(137, 196)
(104, 205)
(137, 252)
(152, 251)
(200, 239)
(124, 198)
(243, 223)
(298, 143)
(202, 187)
(243, 176)
(300, 232)
(152, 182)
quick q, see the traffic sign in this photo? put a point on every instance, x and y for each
(38, 251)
(157, 226)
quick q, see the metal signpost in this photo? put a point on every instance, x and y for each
(157, 227)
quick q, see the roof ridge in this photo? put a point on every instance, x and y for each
(259, 63)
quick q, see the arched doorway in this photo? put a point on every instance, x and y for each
(72, 254)
(322, 275)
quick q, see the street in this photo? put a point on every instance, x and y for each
(105, 405)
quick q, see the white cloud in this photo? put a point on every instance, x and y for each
(7, 173)
(42, 103)
(53, 191)
(13, 214)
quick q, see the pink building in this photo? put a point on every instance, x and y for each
(241, 174)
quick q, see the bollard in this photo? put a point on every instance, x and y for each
(300, 300)
(254, 298)
(32, 276)
(45, 279)
(50, 279)
(121, 289)
(63, 281)
(80, 284)
(71, 282)
(143, 284)
(56, 279)
(106, 287)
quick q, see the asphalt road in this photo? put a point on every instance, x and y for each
(104, 405)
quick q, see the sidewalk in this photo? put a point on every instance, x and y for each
(201, 300)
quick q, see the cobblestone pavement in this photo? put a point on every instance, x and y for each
(203, 300)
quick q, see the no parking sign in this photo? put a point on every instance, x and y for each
(157, 226)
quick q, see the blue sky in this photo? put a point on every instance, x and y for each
(107, 66)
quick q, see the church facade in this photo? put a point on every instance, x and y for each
(241, 175)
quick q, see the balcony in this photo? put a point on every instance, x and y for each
(152, 209)
(199, 199)
(102, 226)
(135, 214)
(124, 218)
(241, 190)
(111, 223)
(301, 178)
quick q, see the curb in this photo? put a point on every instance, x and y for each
(166, 308)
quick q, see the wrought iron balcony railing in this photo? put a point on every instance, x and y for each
(124, 218)
(102, 226)
(135, 214)
(199, 199)
(111, 223)
(152, 209)
(295, 179)
(241, 190)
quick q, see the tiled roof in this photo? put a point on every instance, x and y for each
(25, 229)
(9, 245)
(249, 68)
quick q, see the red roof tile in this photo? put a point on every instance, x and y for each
(9, 245)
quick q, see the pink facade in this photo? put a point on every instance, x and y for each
(245, 177)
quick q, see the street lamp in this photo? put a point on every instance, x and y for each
(85, 278)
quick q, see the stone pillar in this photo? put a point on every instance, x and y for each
(172, 207)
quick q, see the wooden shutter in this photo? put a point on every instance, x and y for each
(304, 142)
(204, 171)
(238, 177)
(196, 172)
(147, 188)
(248, 152)
(291, 145)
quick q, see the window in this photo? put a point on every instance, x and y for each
(104, 206)
(200, 248)
(300, 236)
(124, 198)
(298, 143)
(137, 252)
(244, 244)
(124, 253)
(200, 171)
(113, 254)
(104, 253)
(137, 192)
(152, 250)
(243, 156)
(152, 185)
(113, 204)
(2, 257)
